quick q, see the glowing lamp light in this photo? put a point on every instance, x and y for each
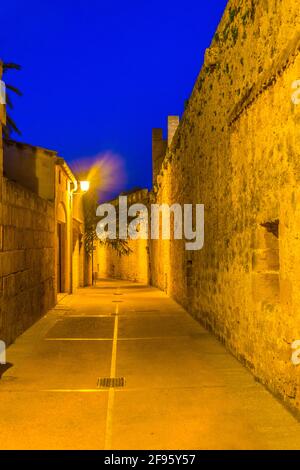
(84, 186)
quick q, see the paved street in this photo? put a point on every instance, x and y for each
(181, 389)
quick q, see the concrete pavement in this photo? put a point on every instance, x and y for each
(182, 389)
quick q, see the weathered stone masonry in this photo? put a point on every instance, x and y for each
(27, 259)
(237, 150)
(133, 267)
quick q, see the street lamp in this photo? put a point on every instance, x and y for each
(84, 186)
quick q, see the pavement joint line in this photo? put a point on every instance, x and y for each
(75, 390)
(127, 390)
(151, 338)
(78, 339)
(131, 315)
(192, 387)
(111, 391)
(89, 316)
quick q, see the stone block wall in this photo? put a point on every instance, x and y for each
(26, 259)
(133, 267)
(136, 265)
(237, 151)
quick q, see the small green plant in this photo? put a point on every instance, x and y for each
(235, 34)
(252, 11)
(245, 17)
(232, 14)
(226, 33)
(201, 81)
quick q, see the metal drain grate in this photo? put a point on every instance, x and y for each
(111, 382)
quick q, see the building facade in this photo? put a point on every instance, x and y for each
(236, 151)
(41, 231)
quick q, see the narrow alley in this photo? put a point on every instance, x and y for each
(175, 386)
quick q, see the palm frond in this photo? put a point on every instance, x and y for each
(14, 89)
(90, 204)
(11, 65)
(9, 102)
(11, 125)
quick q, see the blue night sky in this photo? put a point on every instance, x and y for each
(97, 76)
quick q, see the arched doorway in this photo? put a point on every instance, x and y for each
(61, 248)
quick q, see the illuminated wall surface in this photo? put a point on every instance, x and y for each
(237, 151)
(133, 267)
(26, 259)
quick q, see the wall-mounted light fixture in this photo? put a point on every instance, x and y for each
(84, 186)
